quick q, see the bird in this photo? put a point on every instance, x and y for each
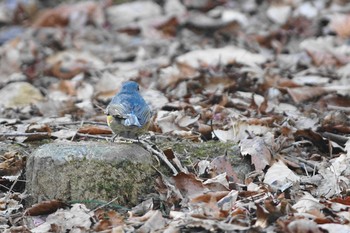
(128, 114)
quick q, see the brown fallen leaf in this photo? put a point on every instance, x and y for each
(225, 55)
(267, 214)
(155, 223)
(314, 137)
(68, 64)
(209, 209)
(167, 191)
(108, 220)
(341, 25)
(206, 197)
(67, 220)
(169, 27)
(303, 225)
(262, 216)
(205, 130)
(301, 94)
(170, 122)
(45, 207)
(65, 14)
(189, 185)
(94, 130)
(67, 87)
(279, 174)
(68, 71)
(38, 128)
(220, 165)
(259, 152)
(341, 200)
(218, 183)
(12, 164)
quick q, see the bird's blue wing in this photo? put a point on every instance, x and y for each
(116, 110)
(143, 113)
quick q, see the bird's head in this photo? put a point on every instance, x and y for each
(130, 86)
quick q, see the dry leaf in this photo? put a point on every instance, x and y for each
(259, 152)
(300, 94)
(189, 185)
(223, 56)
(307, 203)
(12, 163)
(94, 130)
(45, 207)
(155, 223)
(108, 220)
(78, 14)
(303, 225)
(341, 24)
(279, 174)
(221, 164)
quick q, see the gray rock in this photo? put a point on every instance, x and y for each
(99, 171)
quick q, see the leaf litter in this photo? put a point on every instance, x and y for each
(271, 77)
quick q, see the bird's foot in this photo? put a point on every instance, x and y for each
(119, 139)
(146, 137)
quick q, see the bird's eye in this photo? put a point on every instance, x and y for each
(138, 88)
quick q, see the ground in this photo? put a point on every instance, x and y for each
(250, 103)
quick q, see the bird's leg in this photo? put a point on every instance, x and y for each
(144, 137)
(114, 137)
(118, 139)
(127, 140)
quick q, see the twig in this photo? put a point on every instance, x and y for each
(107, 67)
(340, 108)
(5, 187)
(47, 134)
(104, 204)
(79, 122)
(76, 132)
(305, 169)
(154, 150)
(10, 190)
(24, 134)
(335, 137)
(21, 144)
(305, 162)
(92, 136)
(178, 164)
(98, 204)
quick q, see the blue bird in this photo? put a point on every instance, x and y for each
(128, 114)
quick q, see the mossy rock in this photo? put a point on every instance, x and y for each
(190, 152)
(90, 171)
